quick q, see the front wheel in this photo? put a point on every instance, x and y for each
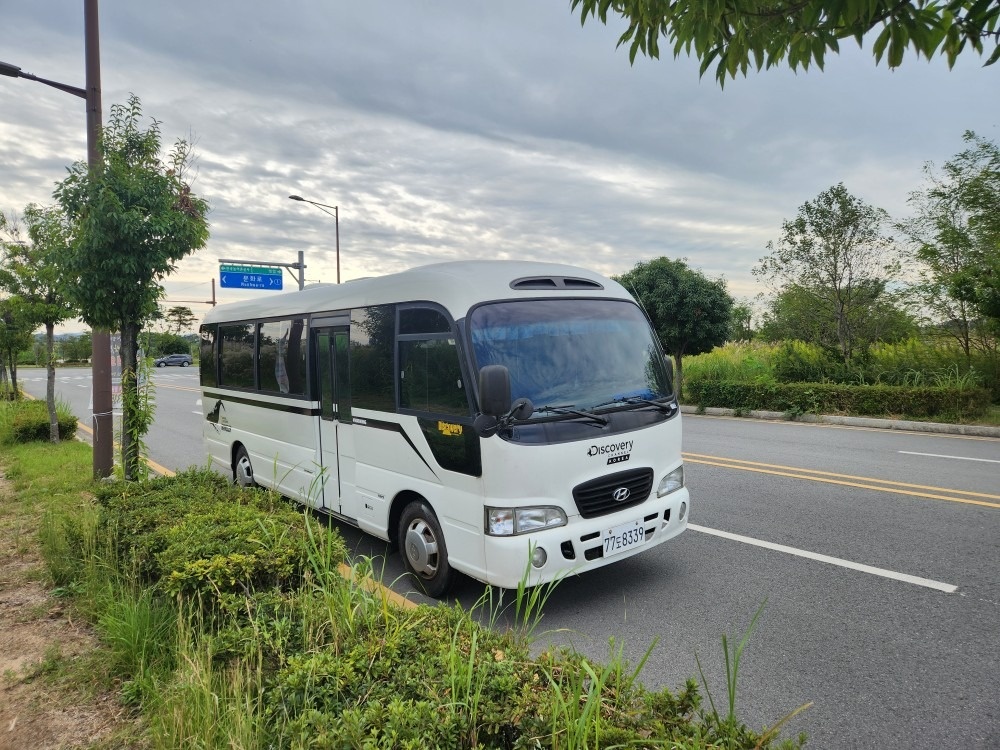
(425, 554)
(160, 364)
(185, 364)
(242, 470)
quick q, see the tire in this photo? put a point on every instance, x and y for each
(161, 364)
(421, 543)
(185, 364)
(242, 470)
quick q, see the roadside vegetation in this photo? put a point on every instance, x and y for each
(927, 380)
(223, 619)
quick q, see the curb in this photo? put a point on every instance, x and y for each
(970, 430)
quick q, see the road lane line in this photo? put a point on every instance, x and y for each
(869, 483)
(861, 567)
(957, 458)
(892, 490)
(830, 426)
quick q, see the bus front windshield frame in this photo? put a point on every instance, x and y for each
(579, 353)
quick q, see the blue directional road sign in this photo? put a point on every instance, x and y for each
(250, 277)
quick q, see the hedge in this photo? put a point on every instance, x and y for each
(30, 422)
(198, 534)
(833, 398)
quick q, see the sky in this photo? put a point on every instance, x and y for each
(468, 130)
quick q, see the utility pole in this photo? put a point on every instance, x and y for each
(101, 341)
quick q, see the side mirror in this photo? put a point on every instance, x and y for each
(494, 401)
(494, 390)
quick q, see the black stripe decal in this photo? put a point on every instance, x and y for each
(288, 408)
(394, 427)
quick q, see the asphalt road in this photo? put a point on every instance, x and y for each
(877, 553)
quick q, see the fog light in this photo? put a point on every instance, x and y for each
(538, 557)
(684, 510)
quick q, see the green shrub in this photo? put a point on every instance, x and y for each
(27, 421)
(442, 680)
(832, 398)
(197, 534)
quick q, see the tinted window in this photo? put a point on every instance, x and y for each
(282, 356)
(207, 356)
(422, 320)
(236, 355)
(371, 357)
(430, 377)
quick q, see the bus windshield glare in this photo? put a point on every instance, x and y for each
(579, 353)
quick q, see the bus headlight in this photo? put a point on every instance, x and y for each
(513, 521)
(671, 482)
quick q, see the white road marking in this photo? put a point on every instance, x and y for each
(905, 577)
(198, 402)
(196, 411)
(957, 458)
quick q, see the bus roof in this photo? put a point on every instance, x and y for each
(456, 285)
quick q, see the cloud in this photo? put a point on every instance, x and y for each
(455, 130)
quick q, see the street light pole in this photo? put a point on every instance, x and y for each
(101, 340)
(336, 216)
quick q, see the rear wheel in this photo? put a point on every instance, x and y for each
(425, 555)
(242, 470)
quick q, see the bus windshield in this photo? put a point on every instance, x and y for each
(579, 353)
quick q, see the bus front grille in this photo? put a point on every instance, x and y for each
(613, 492)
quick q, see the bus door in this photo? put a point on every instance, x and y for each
(336, 430)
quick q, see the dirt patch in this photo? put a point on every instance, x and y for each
(40, 707)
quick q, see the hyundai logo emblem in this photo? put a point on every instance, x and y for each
(621, 494)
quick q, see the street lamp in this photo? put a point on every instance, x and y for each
(336, 215)
(101, 340)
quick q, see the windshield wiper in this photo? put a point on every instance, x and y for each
(667, 407)
(596, 419)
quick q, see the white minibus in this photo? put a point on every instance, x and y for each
(494, 418)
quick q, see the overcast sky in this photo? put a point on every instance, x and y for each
(463, 130)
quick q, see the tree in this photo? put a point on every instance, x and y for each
(793, 314)
(31, 271)
(741, 322)
(955, 236)
(135, 218)
(76, 348)
(179, 319)
(834, 258)
(690, 313)
(15, 337)
(740, 34)
(160, 344)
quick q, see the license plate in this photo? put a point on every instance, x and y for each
(623, 537)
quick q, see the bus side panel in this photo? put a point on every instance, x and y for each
(391, 461)
(281, 445)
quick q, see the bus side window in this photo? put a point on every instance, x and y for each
(281, 356)
(343, 379)
(206, 359)
(325, 371)
(237, 355)
(370, 360)
(430, 376)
